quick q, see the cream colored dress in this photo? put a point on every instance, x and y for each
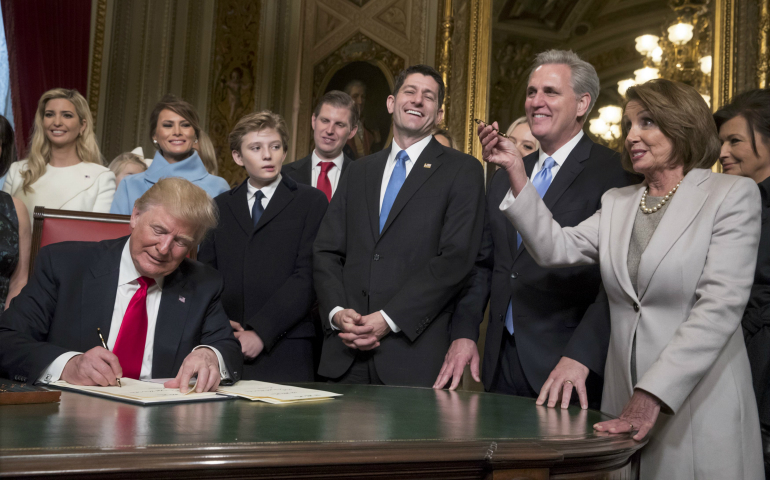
(85, 187)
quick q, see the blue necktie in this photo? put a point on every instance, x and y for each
(394, 185)
(541, 182)
(257, 210)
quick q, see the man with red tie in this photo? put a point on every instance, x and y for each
(334, 121)
(159, 312)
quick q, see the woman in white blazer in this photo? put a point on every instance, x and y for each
(64, 168)
(677, 256)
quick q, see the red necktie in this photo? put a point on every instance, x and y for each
(323, 183)
(129, 347)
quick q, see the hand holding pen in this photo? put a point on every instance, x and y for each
(104, 344)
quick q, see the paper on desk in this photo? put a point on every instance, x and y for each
(274, 393)
(138, 391)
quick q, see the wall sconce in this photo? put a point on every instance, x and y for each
(624, 85)
(680, 33)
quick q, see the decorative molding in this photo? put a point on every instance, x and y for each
(96, 59)
(444, 54)
(478, 72)
(359, 3)
(327, 21)
(396, 17)
(763, 50)
(233, 75)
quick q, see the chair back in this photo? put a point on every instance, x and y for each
(53, 226)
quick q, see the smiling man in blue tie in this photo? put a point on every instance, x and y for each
(396, 246)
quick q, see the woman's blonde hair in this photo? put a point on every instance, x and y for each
(207, 153)
(516, 123)
(40, 147)
(183, 201)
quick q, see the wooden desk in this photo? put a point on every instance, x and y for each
(384, 432)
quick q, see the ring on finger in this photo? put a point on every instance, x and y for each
(568, 381)
(632, 426)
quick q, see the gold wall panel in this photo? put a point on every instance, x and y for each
(389, 34)
(233, 73)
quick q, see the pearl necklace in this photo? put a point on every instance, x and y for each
(666, 198)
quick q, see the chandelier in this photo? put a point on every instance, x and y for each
(682, 53)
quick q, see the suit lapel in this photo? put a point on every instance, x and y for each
(238, 204)
(175, 301)
(345, 162)
(282, 197)
(305, 170)
(621, 227)
(684, 207)
(375, 169)
(568, 172)
(417, 176)
(529, 164)
(99, 291)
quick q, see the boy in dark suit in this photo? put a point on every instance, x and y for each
(263, 248)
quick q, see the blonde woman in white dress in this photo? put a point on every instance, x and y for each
(64, 168)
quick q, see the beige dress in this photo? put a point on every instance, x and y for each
(85, 187)
(694, 279)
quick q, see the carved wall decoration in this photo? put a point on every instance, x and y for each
(389, 34)
(95, 79)
(444, 55)
(458, 82)
(763, 50)
(232, 77)
(327, 21)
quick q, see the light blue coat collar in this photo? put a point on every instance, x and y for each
(191, 168)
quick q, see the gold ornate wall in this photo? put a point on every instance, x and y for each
(388, 34)
(233, 73)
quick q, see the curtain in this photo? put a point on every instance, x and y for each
(48, 43)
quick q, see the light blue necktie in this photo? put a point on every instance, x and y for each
(541, 182)
(394, 185)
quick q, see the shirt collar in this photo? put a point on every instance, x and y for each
(128, 271)
(337, 161)
(191, 168)
(560, 155)
(267, 190)
(414, 151)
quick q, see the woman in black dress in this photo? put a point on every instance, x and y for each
(15, 231)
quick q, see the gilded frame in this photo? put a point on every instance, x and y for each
(723, 69)
(479, 52)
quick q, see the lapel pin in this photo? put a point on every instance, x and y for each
(427, 165)
(88, 176)
(181, 298)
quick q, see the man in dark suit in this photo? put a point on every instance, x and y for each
(334, 121)
(159, 312)
(264, 248)
(543, 319)
(396, 246)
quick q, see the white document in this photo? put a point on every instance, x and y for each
(137, 391)
(274, 393)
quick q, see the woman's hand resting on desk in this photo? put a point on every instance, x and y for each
(501, 151)
(639, 414)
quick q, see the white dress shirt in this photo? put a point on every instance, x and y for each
(414, 153)
(127, 287)
(334, 173)
(267, 191)
(559, 157)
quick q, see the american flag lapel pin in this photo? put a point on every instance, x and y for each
(427, 165)
(181, 298)
(88, 176)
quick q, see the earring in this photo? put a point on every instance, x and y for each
(196, 141)
(155, 142)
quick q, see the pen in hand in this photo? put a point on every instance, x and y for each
(104, 344)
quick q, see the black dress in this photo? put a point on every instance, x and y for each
(9, 244)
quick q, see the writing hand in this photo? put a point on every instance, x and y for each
(97, 366)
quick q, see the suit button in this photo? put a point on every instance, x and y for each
(636, 307)
(363, 293)
(376, 257)
(515, 275)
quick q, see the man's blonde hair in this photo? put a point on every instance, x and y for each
(183, 201)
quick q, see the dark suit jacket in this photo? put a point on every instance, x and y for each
(412, 270)
(268, 275)
(302, 170)
(556, 312)
(756, 318)
(72, 292)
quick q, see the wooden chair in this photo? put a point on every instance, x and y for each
(53, 226)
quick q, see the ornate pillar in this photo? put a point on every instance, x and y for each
(444, 54)
(763, 48)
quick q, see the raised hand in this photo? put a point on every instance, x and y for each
(501, 151)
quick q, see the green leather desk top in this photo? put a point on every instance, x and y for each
(365, 416)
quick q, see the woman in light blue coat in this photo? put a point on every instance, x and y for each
(174, 129)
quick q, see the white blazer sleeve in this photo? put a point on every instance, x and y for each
(548, 243)
(722, 292)
(106, 190)
(11, 178)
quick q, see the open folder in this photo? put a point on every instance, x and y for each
(152, 392)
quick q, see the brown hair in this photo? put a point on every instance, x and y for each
(445, 133)
(684, 118)
(178, 106)
(338, 99)
(754, 107)
(207, 153)
(183, 201)
(256, 122)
